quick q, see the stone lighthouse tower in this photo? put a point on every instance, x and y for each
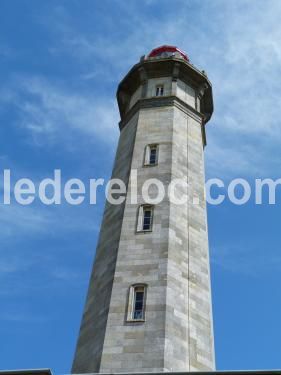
(148, 307)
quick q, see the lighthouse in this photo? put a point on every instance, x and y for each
(149, 306)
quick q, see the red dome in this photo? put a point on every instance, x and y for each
(170, 49)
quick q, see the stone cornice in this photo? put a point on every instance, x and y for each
(164, 101)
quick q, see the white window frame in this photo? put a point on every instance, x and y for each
(140, 218)
(159, 90)
(147, 155)
(132, 303)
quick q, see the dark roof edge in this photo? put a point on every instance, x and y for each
(27, 371)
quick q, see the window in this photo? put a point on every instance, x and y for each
(159, 90)
(136, 306)
(151, 155)
(145, 216)
(138, 310)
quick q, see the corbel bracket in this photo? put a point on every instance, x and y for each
(176, 71)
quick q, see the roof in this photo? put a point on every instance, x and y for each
(172, 49)
(43, 371)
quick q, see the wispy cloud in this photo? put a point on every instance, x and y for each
(67, 275)
(6, 51)
(23, 317)
(11, 265)
(243, 61)
(36, 219)
(247, 260)
(16, 218)
(50, 112)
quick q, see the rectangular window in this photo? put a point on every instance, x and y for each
(151, 155)
(136, 303)
(159, 90)
(145, 217)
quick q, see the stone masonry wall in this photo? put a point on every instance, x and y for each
(92, 331)
(142, 257)
(173, 259)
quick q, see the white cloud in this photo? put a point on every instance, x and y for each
(247, 260)
(238, 44)
(17, 220)
(6, 51)
(49, 112)
(52, 114)
(66, 275)
(9, 266)
(23, 317)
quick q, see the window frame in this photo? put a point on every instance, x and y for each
(159, 90)
(147, 155)
(140, 217)
(132, 303)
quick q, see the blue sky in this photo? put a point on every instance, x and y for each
(60, 63)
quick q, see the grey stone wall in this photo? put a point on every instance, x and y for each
(172, 260)
(92, 331)
(189, 336)
(142, 257)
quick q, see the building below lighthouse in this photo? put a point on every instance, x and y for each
(149, 306)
